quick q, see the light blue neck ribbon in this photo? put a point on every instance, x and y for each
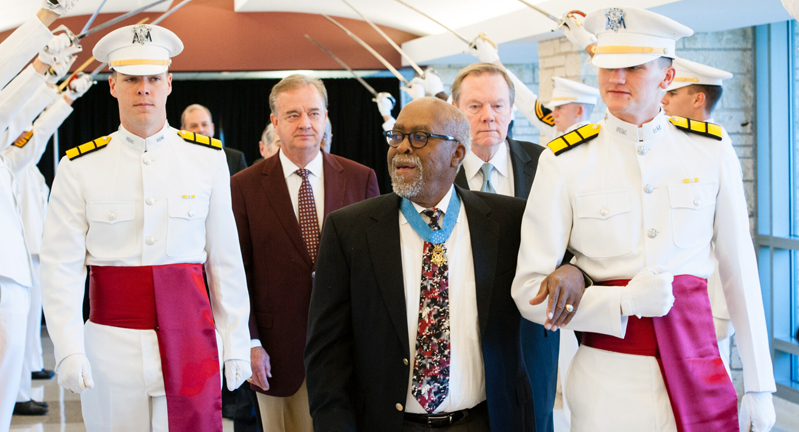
(423, 229)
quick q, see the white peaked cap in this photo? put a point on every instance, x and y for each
(629, 37)
(567, 91)
(138, 49)
(689, 72)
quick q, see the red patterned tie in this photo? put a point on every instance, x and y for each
(309, 223)
(430, 384)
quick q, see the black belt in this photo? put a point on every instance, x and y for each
(443, 419)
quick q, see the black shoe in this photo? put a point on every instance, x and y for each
(41, 404)
(43, 374)
(29, 408)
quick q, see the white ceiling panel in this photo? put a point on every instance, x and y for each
(15, 12)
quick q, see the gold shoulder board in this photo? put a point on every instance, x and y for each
(544, 114)
(202, 140)
(574, 138)
(89, 147)
(709, 130)
(23, 139)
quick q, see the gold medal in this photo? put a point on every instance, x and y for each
(438, 257)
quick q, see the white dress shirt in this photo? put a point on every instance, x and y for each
(466, 371)
(501, 175)
(637, 197)
(143, 202)
(294, 182)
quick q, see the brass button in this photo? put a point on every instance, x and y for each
(405, 362)
(398, 406)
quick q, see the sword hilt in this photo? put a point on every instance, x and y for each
(72, 37)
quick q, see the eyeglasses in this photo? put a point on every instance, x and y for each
(417, 139)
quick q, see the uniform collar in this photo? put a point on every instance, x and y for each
(472, 163)
(630, 132)
(150, 143)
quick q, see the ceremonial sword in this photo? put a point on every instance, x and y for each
(370, 49)
(76, 38)
(94, 15)
(344, 65)
(559, 22)
(388, 39)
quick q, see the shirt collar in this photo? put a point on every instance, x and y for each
(442, 205)
(315, 166)
(651, 131)
(472, 163)
(150, 143)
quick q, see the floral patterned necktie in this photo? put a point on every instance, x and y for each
(430, 384)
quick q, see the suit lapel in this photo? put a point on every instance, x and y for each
(523, 169)
(484, 234)
(277, 193)
(383, 239)
(335, 184)
(461, 180)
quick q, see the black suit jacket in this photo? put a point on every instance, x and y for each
(235, 160)
(524, 159)
(357, 353)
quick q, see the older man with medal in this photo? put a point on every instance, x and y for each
(645, 202)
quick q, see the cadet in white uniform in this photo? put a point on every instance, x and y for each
(31, 193)
(641, 199)
(693, 94)
(148, 209)
(15, 264)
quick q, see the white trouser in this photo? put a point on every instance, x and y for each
(33, 360)
(128, 393)
(612, 392)
(14, 306)
(568, 349)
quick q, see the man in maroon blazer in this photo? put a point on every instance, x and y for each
(280, 204)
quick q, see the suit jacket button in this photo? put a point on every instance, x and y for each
(398, 406)
(313, 274)
(405, 362)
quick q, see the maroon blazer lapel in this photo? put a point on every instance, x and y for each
(335, 184)
(277, 193)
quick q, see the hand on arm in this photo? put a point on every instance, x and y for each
(565, 286)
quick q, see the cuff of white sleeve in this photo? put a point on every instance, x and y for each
(255, 343)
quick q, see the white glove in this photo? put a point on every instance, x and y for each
(58, 49)
(79, 86)
(575, 32)
(649, 293)
(59, 7)
(483, 50)
(385, 103)
(432, 83)
(415, 88)
(236, 372)
(59, 70)
(757, 412)
(724, 328)
(75, 373)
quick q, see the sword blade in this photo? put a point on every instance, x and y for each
(344, 65)
(388, 39)
(370, 49)
(94, 15)
(435, 21)
(170, 12)
(119, 18)
(541, 11)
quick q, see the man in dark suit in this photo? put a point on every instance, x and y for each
(280, 205)
(197, 118)
(386, 352)
(499, 164)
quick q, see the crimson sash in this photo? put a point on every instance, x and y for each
(684, 342)
(170, 299)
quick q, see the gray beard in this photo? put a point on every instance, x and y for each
(407, 190)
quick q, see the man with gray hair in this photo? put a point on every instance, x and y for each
(197, 118)
(269, 144)
(499, 164)
(411, 324)
(280, 205)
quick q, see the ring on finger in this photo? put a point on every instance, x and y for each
(569, 308)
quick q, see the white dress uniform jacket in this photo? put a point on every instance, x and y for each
(636, 197)
(142, 202)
